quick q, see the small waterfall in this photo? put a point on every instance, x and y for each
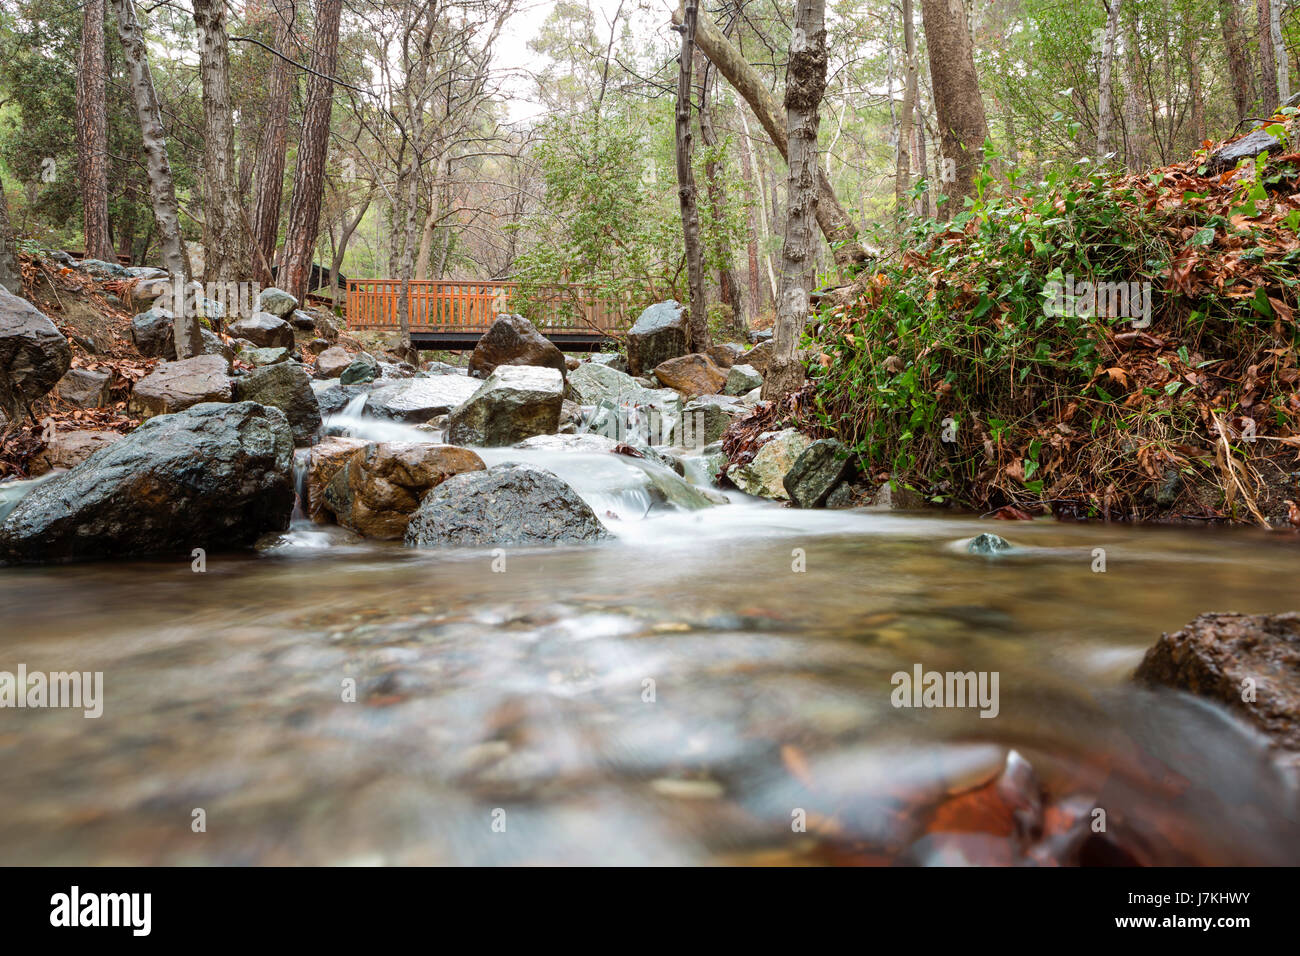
(301, 458)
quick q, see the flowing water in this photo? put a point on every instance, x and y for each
(686, 692)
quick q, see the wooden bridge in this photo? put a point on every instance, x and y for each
(451, 314)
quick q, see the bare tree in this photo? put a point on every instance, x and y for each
(683, 142)
(903, 165)
(162, 187)
(805, 84)
(92, 132)
(1267, 56)
(1243, 81)
(10, 276)
(1105, 112)
(313, 149)
(962, 123)
(225, 247)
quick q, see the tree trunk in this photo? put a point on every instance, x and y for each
(1134, 124)
(313, 148)
(805, 83)
(751, 246)
(341, 248)
(903, 162)
(836, 224)
(162, 188)
(1104, 108)
(731, 291)
(760, 173)
(1267, 60)
(962, 123)
(1279, 51)
(697, 324)
(1243, 81)
(1194, 77)
(225, 257)
(10, 275)
(924, 207)
(92, 132)
(268, 175)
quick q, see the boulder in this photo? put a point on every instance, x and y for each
(260, 357)
(987, 544)
(335, 398)
(1247, 147)
(323, 461)
(1248, 662)
(276, 302)
(264, 330)
(615, 360)
(332, 362)
(509, 504)
(302, 321)
(726, 354)
(706, 419)
(174, 386)
(646, 416)
(765, 475)
(375, 493)
(421, 399)
(513, 340)
(70, 449)
(85, 387)
(212, 476)
(154, 335)
(759, 357)
(285, 386)
(514, 403)
(316, 346)
(657, 336)
(34, 355)
(693, 374)
(442, 368)
(214, 344)
(325, 326)
(364, 367)
(742, 379)
(591, 383)
(815, 473)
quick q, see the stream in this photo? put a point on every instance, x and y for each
(677, 694)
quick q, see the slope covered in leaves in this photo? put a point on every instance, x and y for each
(1107, 347)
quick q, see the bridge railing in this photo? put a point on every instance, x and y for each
(443, 305)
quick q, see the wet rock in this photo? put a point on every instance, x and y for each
(214, 344)
(644, 417)
(818, 469)
(894, 496)
(325, 326)
(1248, 147)
(614, 360)
(659, 334)
(335, 398)
(175, 386)
(323, 462)
(316, 346)
(420, 399)
(1250, 662)
(759, 357)
(154, 335)
(277, 302)
(849, 494)
(742, 379)
(34, 355)
(706, 419)
(591, 383)
(70, 449)
(260, 357)
(442, 368)
(509, 504)
(285, 386)
(586, 442)
(988, 544)
(514, 403)
(513, 340)
(378, 489)
(693, 374)
(264, 330)
(765, 475)
(99, 269)
(302, 321)
(85, 387)
(364, 367)
(212, 476)
(332, 362)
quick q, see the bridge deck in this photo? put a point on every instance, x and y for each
(454, 314)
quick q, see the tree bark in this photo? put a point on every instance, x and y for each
(1243, 81)
(903, 163)
(1105, 115)
(225, 250)
(697, 323)
(731, 291)
(92, 132)
(10, 275)
(1267, 60)
(1283, 75)
(805, 84)
(268, 176)
(162, 187)
(1194, 78)
(963, 126)
(836, 224)
(313, 149)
